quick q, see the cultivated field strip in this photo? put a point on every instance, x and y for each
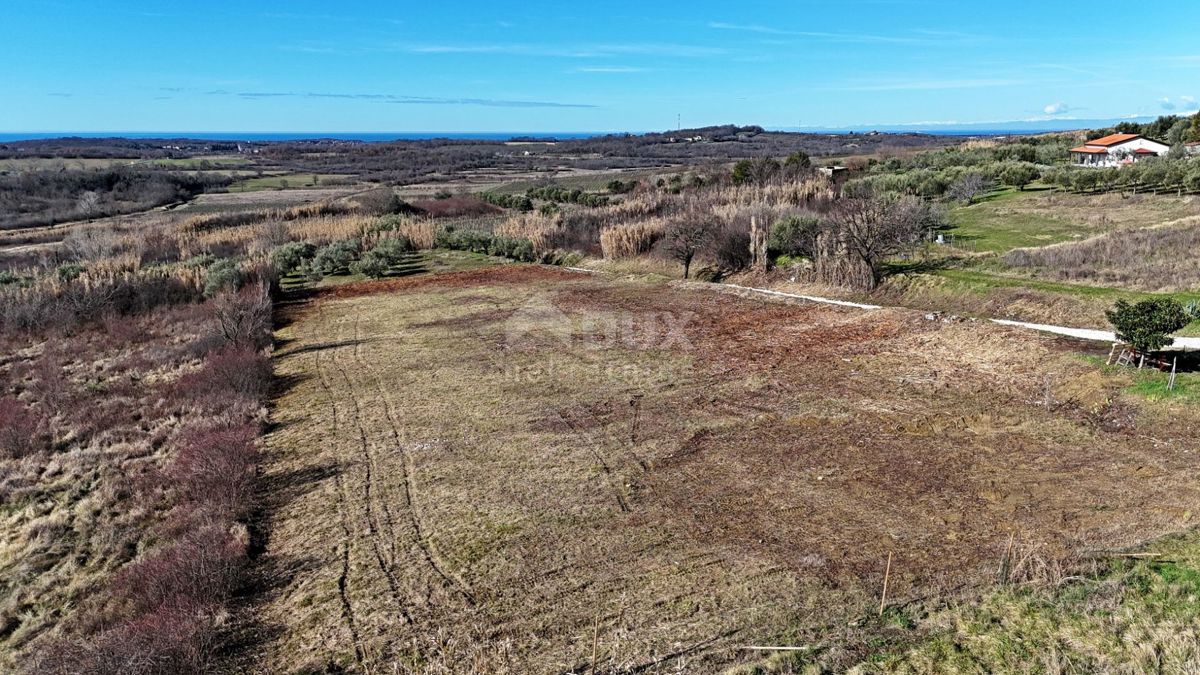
(506, 506)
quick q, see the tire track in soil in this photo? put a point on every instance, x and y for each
(344, 576)
(592, 443)
(368, 462)
(406, 472)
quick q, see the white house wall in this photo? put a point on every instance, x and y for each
(1140, 144)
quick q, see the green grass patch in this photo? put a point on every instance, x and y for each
(993, 225)
(1152, 385)
(981, 281)
(220, 161)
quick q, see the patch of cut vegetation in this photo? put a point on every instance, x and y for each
(502, 438)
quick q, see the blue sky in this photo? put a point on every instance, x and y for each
(368, 65)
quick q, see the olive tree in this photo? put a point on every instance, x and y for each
(1147, 325)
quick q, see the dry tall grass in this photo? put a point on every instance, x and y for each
(544, 231)
(633, 239)
(420, 232)
(1148, 259)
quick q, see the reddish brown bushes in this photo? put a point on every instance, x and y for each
(22, 429)
(174, 601)
(214, 468)
(229, 376)
(200, 570)
(244, 317)
(180, 638)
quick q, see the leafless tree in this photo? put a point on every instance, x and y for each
(866, 232)
(968, 188)
(88, 204)
(91, 243)
(244, 317)
(685, 237)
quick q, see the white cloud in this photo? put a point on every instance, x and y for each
(928, 85)
(1058, 108)
(1166, 103)
(610, 69)
(922, 37)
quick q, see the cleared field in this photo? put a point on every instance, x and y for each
(288, 181)
(524, 470)
(262, 199)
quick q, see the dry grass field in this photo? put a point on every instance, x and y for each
(525, 470)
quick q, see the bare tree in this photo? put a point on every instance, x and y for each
(244, 317)
(88, 204)
(91, 243)
(684, 238)
(866, 232)
(968, 188)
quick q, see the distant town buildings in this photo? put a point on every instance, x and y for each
(1117, 150)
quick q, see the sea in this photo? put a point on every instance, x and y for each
(380, 137)
(253, 136)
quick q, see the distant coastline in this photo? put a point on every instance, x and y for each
(1014, 128)
(261, 137)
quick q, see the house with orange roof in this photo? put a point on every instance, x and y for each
(1117, 150)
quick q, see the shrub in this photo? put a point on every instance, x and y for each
(222, 275)
(336, 257)
(22, 431)
(244, 317)
(517, 248)
(69, 272)
(198, 261)
(213, 468)
(236, 371)
(794, 236)
(1019, 174)
(1147, 325)
(511, 247)
(386, 254)
(755, 171)
(202, 567)
(181, 637)
(371, 265)
(288, 257)
(729, 247)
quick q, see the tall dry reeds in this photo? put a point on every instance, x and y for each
(420, 232)
(633, 239)
(544, 231)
